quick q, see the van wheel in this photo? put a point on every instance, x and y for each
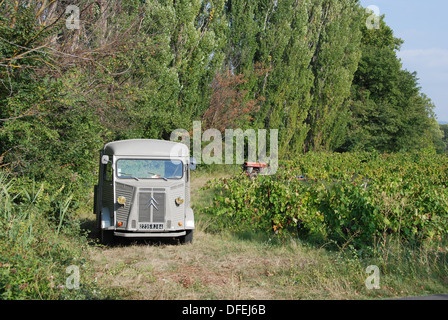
(107, 237)
(188, 238)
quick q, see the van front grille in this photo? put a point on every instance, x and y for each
(151, 206)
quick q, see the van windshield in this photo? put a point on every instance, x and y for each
(149, 169)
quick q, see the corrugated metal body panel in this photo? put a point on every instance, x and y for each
(123, 211)
(177, 213)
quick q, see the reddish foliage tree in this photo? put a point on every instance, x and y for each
(229, 103)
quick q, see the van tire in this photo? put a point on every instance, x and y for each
(188, 238)
(107, 237)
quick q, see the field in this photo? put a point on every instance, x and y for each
(254, 263)
(249, 261)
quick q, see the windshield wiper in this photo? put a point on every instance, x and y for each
(156, 174)
(128, 174)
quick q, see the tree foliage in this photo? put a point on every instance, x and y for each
(140, 69)
(389, 113)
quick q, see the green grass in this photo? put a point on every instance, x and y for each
(38, 247)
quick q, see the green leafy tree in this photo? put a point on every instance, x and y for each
(334, 62)
(388, 111)
(309, 51)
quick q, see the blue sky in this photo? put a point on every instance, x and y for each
(423, 25)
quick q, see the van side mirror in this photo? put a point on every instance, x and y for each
(193, 163)
(105, 159)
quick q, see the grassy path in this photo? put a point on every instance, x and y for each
(220, 267)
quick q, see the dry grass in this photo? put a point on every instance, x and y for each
(223, 267)
(213, 267)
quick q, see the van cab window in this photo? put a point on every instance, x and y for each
(149, 169)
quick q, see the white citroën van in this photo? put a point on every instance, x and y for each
(143, 190)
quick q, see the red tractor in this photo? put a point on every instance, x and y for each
(253, 169)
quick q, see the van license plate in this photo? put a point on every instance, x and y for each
(150, 226)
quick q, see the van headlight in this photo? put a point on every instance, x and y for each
(121, 200)
(179, 201)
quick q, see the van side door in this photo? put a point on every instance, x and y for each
(107, 193)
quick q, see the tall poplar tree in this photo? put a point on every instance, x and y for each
(334, 62)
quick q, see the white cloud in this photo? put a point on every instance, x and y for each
(434, 61)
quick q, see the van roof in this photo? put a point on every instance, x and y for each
(146, 147)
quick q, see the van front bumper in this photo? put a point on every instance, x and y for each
(149, 234)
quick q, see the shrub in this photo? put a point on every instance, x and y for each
(354, 198)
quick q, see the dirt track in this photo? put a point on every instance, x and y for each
(213, 267)
(210, 268)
